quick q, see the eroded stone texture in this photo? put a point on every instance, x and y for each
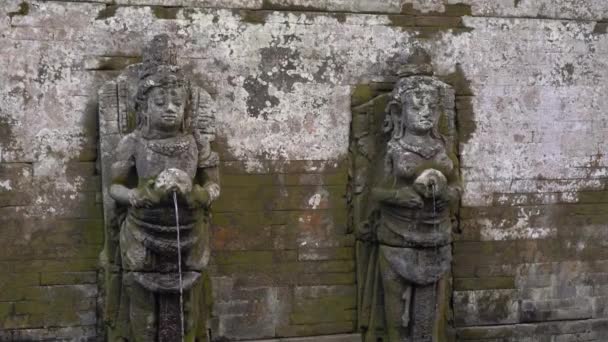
(530, 106)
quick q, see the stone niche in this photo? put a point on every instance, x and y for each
(159, 177)
(404, 190)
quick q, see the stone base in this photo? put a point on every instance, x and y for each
(324, 338)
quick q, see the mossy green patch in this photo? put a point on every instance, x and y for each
(455, 10)
(31, 307)
(165, 12)
(244, 257)
(253, 16)
(362, 93)
(67, 278)
(400, 20)
(489, 283)
(6, 309)
(592, 196)
(247, 180)
(275, 6)
(327, 309)
(432, 33)
(428, 25)
(131, 121)
(375, 89)
(57, 265)
(340, 17)
(108, 12)
(600, 28)
(6, 129)
(24, 9)
(114, 63)
(465, 119)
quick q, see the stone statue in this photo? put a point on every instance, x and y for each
(404, 194)
(160, 177)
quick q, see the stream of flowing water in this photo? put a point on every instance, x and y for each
(179, 268)
(434, 207)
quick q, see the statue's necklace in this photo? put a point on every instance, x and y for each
(169, 147)
(427, 152)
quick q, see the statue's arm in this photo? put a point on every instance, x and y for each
(403, 196)
(388, 192)
(454, 189)
(124, 163)
(207, 183)
(212, 183)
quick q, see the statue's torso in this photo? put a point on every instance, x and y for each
(154, 228)
(152, 156)
(409, 161)
(403, 226)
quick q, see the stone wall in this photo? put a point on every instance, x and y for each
(530, 77)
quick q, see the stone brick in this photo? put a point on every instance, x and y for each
(555, 310)
(316, 329)
(464, 284)
(326, 254)
(326, 338)
(68, 278)
(484, 307)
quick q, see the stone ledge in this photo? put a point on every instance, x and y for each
(324, 338)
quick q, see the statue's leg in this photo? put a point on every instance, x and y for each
(194, 321)
(397, 294)
(196, 259)
(140, 316)
(142, 313)
(424, 313)
(169, 317)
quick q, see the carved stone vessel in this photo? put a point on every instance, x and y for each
(160, 177)
(403, 198)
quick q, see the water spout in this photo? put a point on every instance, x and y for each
(179, 268)
(434, 211)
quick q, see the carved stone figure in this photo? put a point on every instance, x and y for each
(159, 177)
(404, 194)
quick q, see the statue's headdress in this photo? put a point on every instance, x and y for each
(415, 75)
(159, 69)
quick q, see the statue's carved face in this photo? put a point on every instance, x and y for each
(421, 109)
(166, 107)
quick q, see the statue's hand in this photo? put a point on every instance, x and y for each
(444, 199)
(431, 183)
(198, 197)
(144, 196)
(408, 198)
(173, 180)
(441, 203)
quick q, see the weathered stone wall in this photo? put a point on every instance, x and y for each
(530, 78)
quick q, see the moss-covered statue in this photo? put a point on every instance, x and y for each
(403, 198)
(150, 288)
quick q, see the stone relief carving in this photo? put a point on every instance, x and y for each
(403, 199)
(160, 177)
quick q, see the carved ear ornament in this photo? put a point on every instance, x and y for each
(393, 122)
